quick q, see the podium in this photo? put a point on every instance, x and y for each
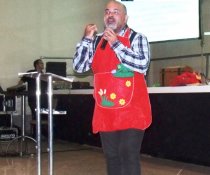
(49, 78)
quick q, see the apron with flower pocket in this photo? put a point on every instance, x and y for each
(121, 97)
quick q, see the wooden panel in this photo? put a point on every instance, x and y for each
(169, 73)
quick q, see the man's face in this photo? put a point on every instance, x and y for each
(114, 16)
(40, 65)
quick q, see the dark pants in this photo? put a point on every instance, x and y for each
(122, 151)
(32, 104)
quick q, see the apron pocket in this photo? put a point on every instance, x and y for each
(112, 92)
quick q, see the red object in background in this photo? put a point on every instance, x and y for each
(185, 78)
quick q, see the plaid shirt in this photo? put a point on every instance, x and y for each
(137, 58)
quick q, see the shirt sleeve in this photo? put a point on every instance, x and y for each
(83, 56)
(137, 58)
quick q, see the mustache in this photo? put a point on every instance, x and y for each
(111, 18)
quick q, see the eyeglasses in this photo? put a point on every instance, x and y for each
(109, 12)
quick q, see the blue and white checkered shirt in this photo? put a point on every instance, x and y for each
(137, 58)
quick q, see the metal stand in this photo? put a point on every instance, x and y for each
(4, 111)
(7, 108)
(8, 104)
(47, 77)
(23, 137)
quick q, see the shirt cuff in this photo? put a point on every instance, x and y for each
(87, 40)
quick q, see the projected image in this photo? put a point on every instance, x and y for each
(162, 20)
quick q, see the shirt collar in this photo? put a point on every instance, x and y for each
(122, 32)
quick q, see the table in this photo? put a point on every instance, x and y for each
(180, 129)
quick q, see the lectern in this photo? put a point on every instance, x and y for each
(49, 77)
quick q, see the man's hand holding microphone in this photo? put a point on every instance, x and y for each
(108, 36)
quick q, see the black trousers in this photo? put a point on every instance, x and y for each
(32, 104)
(122, 151)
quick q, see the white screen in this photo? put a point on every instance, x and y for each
(162, 20)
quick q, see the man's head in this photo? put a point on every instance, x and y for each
(115, 15)
(38, 65)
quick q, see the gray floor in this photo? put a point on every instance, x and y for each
(74, 159)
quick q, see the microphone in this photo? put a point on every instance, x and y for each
(103, 44)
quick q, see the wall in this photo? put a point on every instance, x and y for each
(33, 28)
(181, 48)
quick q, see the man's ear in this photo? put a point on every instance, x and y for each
(126, 19)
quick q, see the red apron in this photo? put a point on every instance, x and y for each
(121, 97)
